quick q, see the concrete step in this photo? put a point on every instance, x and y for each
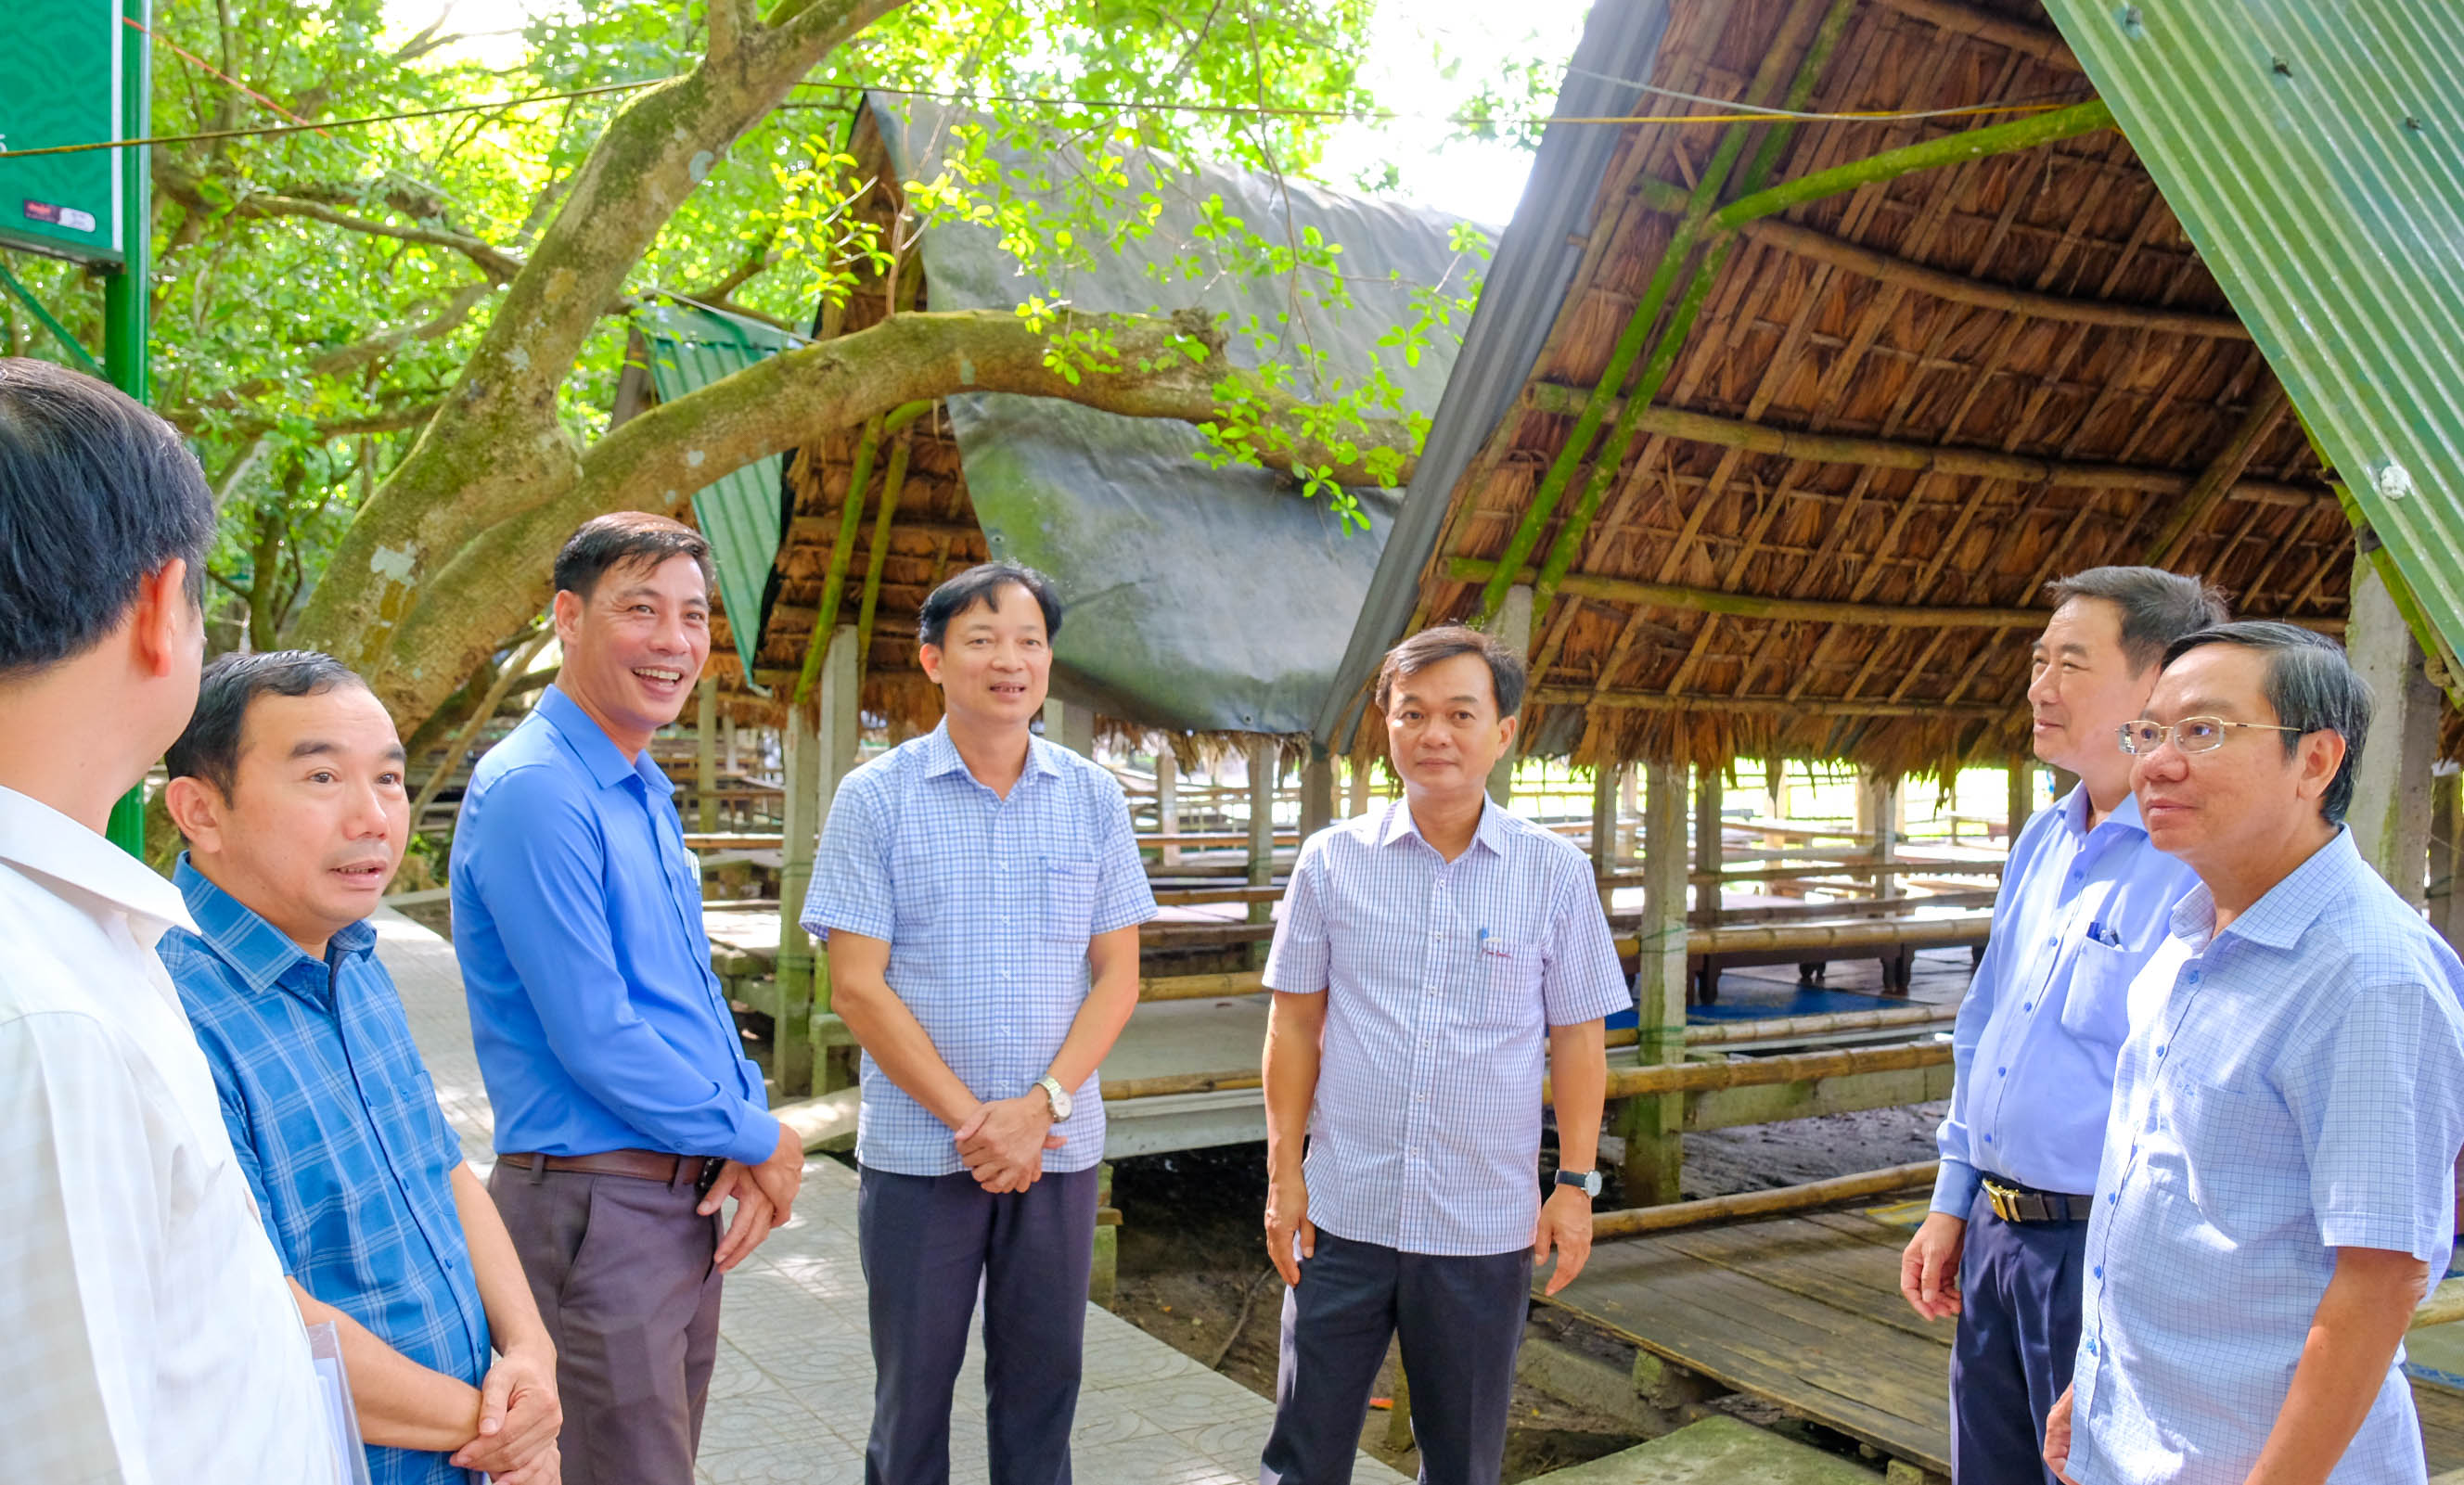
(1718, 1450)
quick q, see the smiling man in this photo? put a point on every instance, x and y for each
(1430, 953)
(626, 1110)
(288, 785)
(2085, 900)
(980, 892)
(2279, 1166)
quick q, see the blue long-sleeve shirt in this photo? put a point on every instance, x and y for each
(2079, 913)
(577, 916)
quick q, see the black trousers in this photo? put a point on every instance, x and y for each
(2019, 1286)
(1460, 1320)
(927, 1244)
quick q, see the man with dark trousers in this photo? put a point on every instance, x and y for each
(980, 893)
(2086, 899)
(1429, 954)
(625, 1110)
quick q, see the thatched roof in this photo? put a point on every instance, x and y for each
(1204, 601)
(1902, 409)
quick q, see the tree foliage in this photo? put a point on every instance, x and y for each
(395, 346)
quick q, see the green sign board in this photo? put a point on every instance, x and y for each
(60, 83)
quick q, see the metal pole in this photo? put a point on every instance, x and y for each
(124, 303)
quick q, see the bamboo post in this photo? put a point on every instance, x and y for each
(1604, 832)
(1265, 762)
(1512, 626)
(706, 754)
(1358, 804)
(2446, 853)
(1317, 792)
(839, 735)
(735, 754)
(893, 480)
(800, 832)
(2021, 802)
(1071, 725)
(1168, 799)
(1754, 1204)
(2391, 810)
(1629, 809)
(1708, 840)
(1655, 1151)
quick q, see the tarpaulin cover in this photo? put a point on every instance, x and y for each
(1199, 599)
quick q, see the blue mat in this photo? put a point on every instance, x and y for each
(1766, 1000)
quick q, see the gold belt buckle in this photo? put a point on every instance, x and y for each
(2002, 1202)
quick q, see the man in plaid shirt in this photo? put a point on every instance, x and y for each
(1429, 954)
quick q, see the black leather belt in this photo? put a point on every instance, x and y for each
(2027, 1204)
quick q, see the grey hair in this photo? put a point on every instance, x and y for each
(2157, 607)
(2312, 686)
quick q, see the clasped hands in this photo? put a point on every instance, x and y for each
(1004, 1141)
(765, 1197)
(520, 1419)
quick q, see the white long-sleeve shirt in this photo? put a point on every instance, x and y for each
(150, 1337)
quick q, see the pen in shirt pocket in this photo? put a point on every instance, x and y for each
(2103, 933)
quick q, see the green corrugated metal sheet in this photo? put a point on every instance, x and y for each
(2314, 150)
(691, 348)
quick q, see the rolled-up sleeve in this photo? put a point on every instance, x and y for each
(1581, 979)
(851, 881)
(1298, 964)
(545, 884)
(2377, 1091)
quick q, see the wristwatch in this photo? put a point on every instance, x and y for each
(1586, 1181)
(1059, 1095)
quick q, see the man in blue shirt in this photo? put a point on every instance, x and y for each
(625, 1110)
(288, 785)
(2278, 1171)
(2086, 899)
(980, 892)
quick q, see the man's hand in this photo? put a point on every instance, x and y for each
(520, 1415)
(1003, 1141)
(755, 1216)
(1930, 1267)
(2057, 1438)
(781, 1176)
(546, 1468)
(1565, 1223)
(1287, 1219)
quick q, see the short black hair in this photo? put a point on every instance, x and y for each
(97, 495)
(210, 749)
(1507, 673)
(624, 537)
(983, 584)
(2157, 607)
(2312, 684)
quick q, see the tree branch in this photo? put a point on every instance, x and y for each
(359, 353)
(187, 189)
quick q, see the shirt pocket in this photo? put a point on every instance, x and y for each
(1069, 900)
(2242, 1157)
(1505, 989)
(2096, 1008)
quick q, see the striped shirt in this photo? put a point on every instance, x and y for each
(1442, 979)
(2290, 1085)
(987, 904)
(335, 1122)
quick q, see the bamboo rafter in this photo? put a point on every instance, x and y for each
(1663, 701)
(1755, 605)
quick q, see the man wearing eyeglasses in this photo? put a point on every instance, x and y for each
(2277, 1175)
(2085, 900)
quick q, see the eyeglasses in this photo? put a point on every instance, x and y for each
(2190, 734)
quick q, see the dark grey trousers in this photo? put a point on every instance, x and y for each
(2019, 1291)
(622, 1270)
(1461, 1321)
(928, 1243)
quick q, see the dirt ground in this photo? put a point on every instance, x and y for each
(1194, 1270)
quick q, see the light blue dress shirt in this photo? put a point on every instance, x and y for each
(335, 1122)
(2079, 912)
(1441, 981)
(2290, 1085)
(987, 904)
(577, 917)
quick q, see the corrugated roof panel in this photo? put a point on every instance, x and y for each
(2314, 150)
(740, 512)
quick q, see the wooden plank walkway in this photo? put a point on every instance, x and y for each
(1805, 1313)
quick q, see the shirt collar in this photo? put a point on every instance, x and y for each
(942, 754)
(589, 742)
(37, 838)
(2075, 806)
(257, 950)
(2287, 909)
(1491, 833)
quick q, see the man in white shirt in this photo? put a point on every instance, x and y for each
(150, 1336)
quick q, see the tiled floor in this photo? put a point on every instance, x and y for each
(793, 1394)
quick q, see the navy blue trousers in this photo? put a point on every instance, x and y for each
(2019, 1286)
(928, 1243)
(1461, 1321)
